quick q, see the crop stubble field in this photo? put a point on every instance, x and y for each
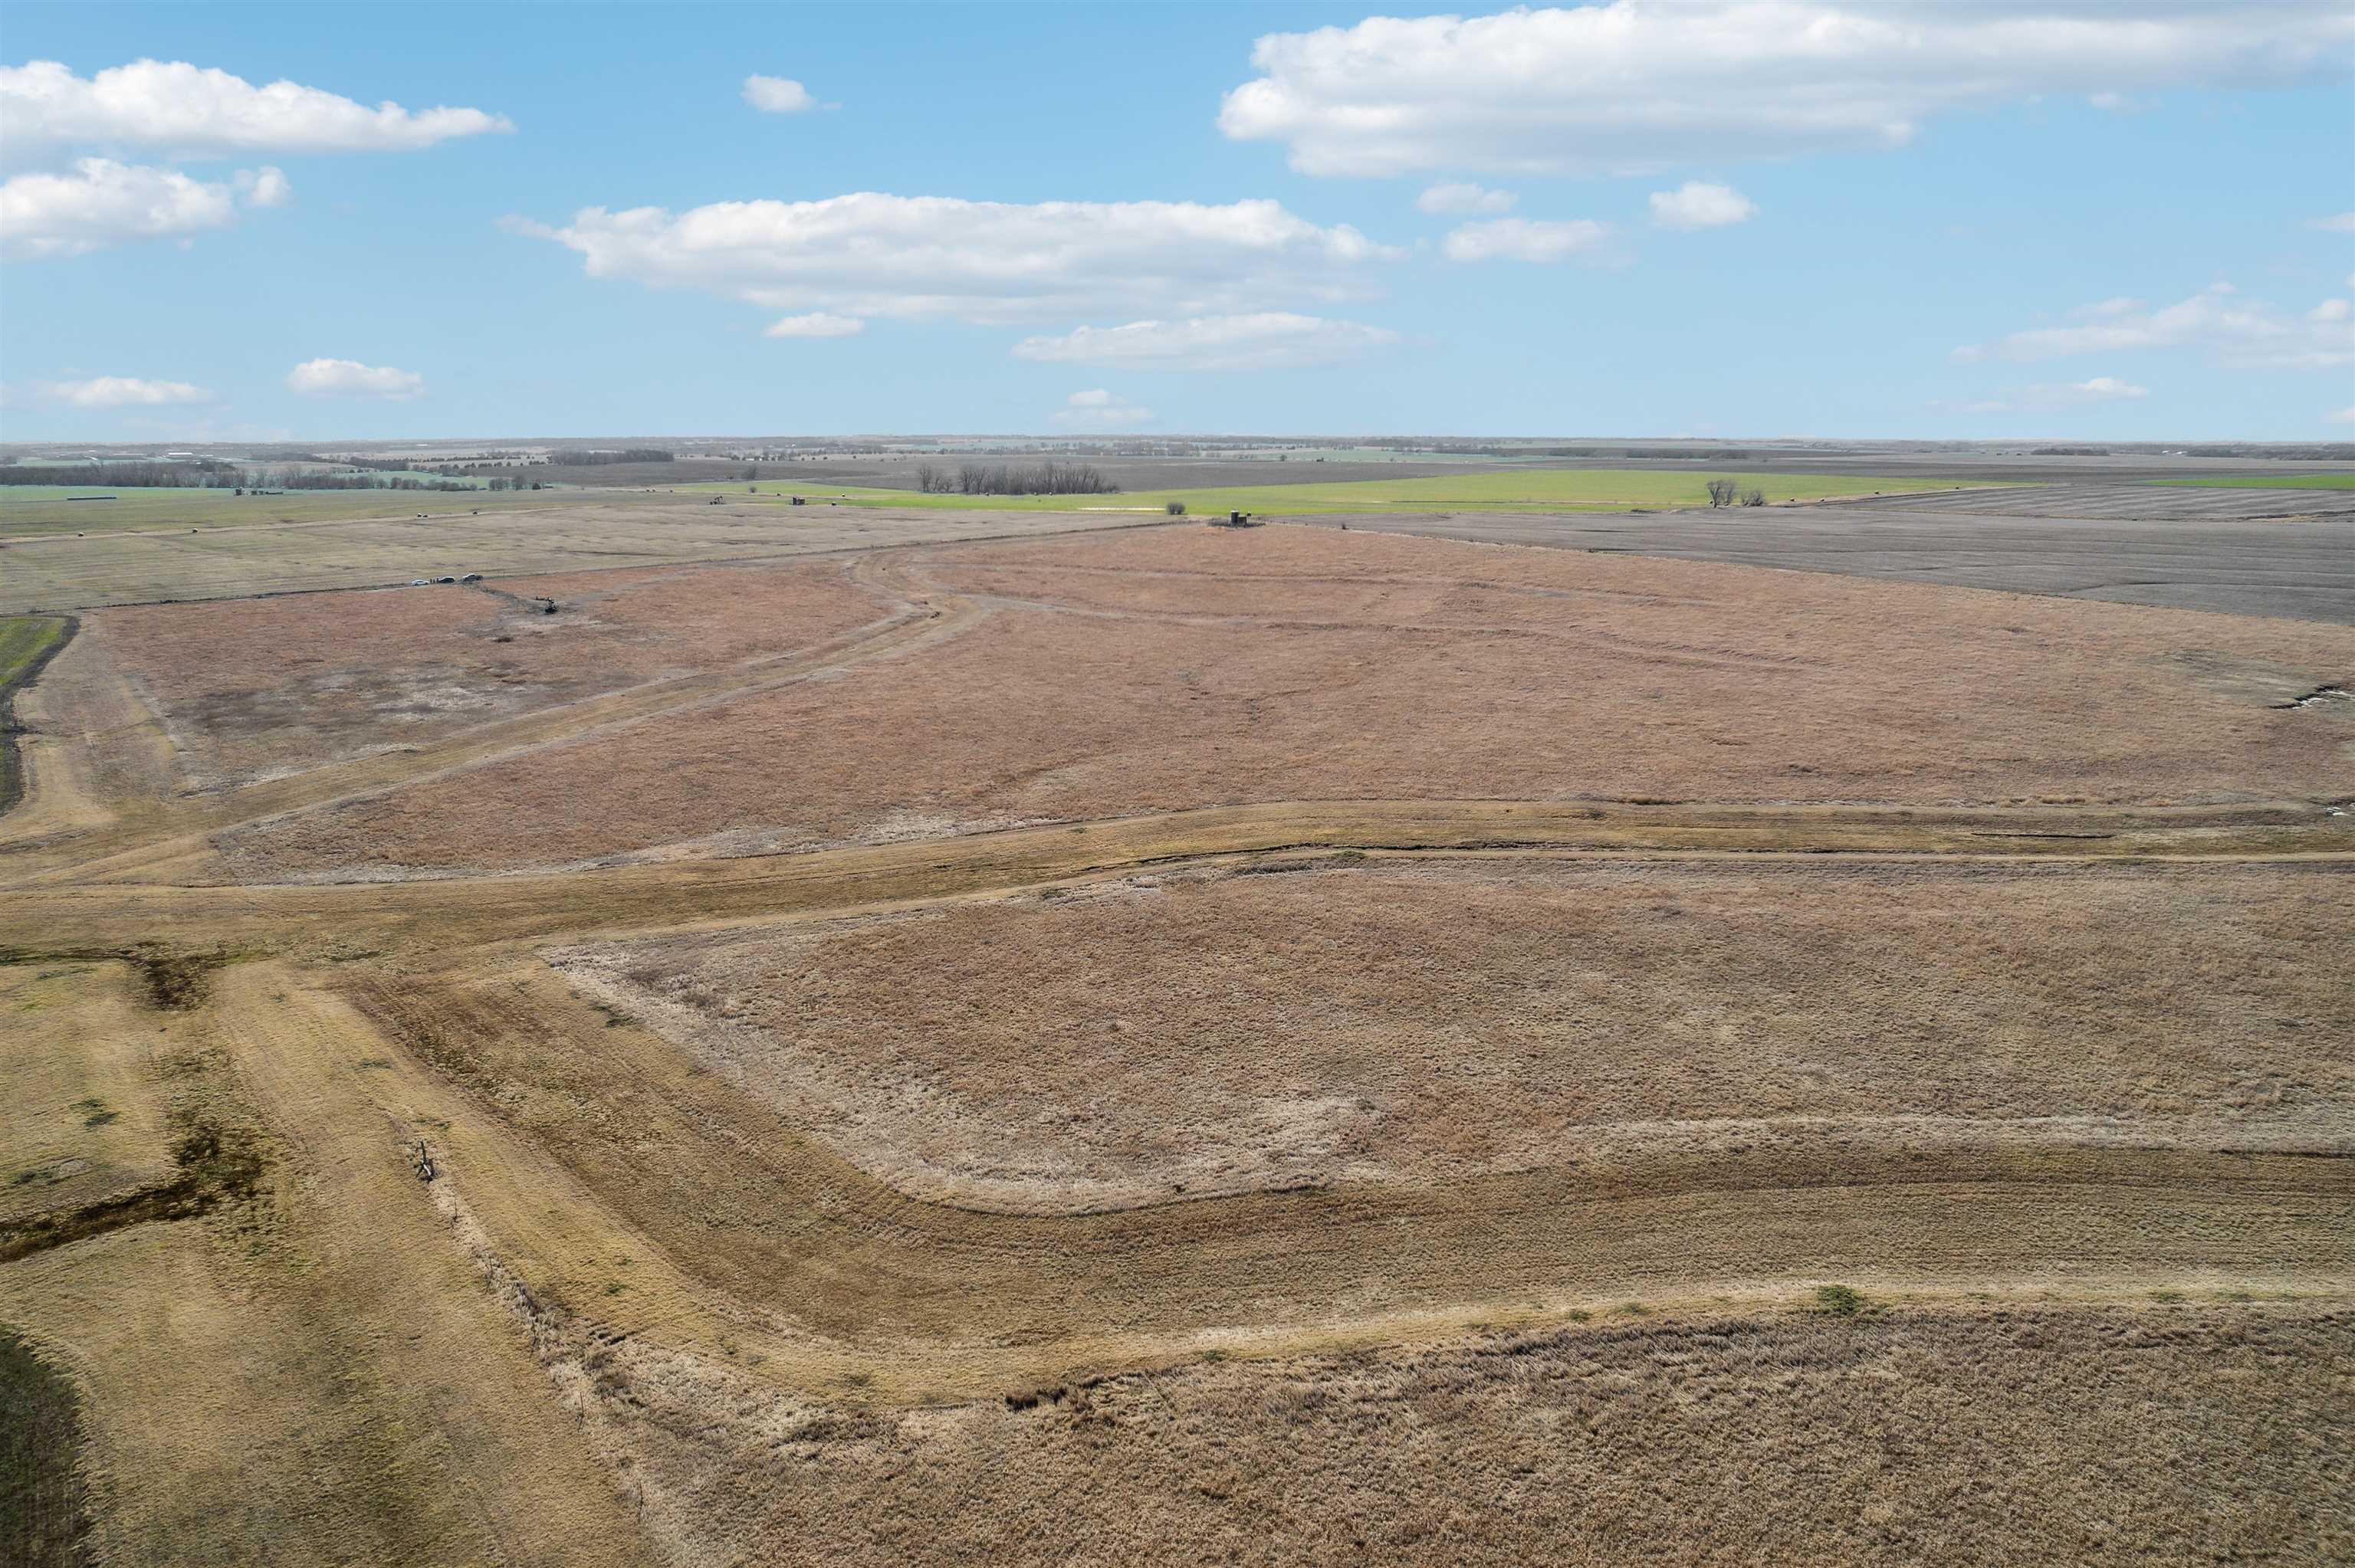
(1167, 1044)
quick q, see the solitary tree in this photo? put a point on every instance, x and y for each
(1721, 491)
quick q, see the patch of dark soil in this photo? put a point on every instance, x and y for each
(218, 1166)
(44, 1509)
(176, 981)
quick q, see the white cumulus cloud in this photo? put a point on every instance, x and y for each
(1098, 409)
(778, 95)
(350, 379)
(2231, 332)
(990, 262)
(1464, 200)
(1523, 240)
(1638, 86)
(2049, 397)
(101, 203)
(2340, 415)
(2337, 223)
(1266, 340)
(1695, 205)
(816, 323)
(190, 111)
(123, 392)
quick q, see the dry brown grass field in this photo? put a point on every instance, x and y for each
(250, 688)
(1157, 669)
(1171, 1045)
(1204, 1033)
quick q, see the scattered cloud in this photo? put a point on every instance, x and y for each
(987, 262)
(779, 95)
(123, 392)
(2116, 103)
(1522, 239)
(101, 203)
(2046, 397)
(350, 379)
(817, 324)
(1268, 340)
(2249, 335)
(265, 186)
(1098, 410)
(1632, 87)
(2340, 415)
(1464, 200)
(1695, 205)
(194, 113)
(2337, 223)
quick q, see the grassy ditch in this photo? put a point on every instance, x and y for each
(44, 1514)
(27, 643)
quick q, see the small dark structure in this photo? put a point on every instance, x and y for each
(1235, 520)
(799, 501)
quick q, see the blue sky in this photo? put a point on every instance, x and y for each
(1957, 221)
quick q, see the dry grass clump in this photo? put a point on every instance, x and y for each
(266, 686)
(1390, 1021)
(2206, 1434)
(1172, 668)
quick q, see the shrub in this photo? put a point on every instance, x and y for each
(1841, 1301)
(1175, 508)
(1754, 498)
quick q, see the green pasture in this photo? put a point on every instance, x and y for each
(45, 510)
(1509, 490)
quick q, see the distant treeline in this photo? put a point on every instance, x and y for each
(220, 476)
(200, 472)
(361, 482)
(627, 454)
(2326, 451)
(1014, 479)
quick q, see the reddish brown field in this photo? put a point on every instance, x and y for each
(1199, 1034)
(258, 687)
(1171, 668)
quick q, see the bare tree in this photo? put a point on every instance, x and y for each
(1721, 491)
(1034, 479)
